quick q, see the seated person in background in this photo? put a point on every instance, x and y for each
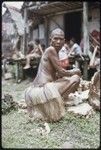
(17, 53)
(35, 51)
(43, 47)
(75, 48)
(82, 44)
(4, 65)
(94, 68)
(63, 56)
(94, 64)
(95, 60)
(38, 48)
(30, 48)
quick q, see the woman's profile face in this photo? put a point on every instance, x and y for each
(57, 41)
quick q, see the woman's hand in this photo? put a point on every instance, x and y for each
(76, 71)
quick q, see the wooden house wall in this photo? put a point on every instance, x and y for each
(7, 25)
(35, 33)
(38, 33)
(9, 35)
(54, 22)
(42, 33)
(7, 32)
(94, 22)
(58, 21)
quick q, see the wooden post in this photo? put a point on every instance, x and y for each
(25, 30)
(17, 71)
(85, 37)
(46, 31)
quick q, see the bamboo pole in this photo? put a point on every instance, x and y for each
(85, 28)
(86, 38)
(25, 30)
(46, 30)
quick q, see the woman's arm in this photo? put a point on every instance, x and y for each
(91, 64)
(53, 57)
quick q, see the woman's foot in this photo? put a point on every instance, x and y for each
(27, 67)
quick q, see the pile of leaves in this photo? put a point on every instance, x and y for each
(8, 104)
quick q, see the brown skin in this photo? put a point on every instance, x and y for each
(32, 53)
(49, 64)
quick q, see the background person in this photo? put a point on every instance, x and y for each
(63, 56)
(34, 51)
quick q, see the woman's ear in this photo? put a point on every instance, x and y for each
(50, 39)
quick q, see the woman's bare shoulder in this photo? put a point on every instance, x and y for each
(50, 50)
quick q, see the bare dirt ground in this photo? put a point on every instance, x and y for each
(17, 132)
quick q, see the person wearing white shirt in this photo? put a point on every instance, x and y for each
(75, 47)
(63, 56)
(76, 50)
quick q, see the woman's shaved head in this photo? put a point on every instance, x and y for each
(57, 39)
(57, 31)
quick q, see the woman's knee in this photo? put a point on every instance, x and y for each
(76, 79)
(28, 56)
(27, 98)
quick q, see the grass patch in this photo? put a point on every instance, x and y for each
(18, 133)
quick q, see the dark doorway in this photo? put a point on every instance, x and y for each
(72, 25)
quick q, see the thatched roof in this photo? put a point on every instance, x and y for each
(17, 18)
(38, 10)
(54, 7)
(51, 8)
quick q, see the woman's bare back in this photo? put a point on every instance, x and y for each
(46, 71)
